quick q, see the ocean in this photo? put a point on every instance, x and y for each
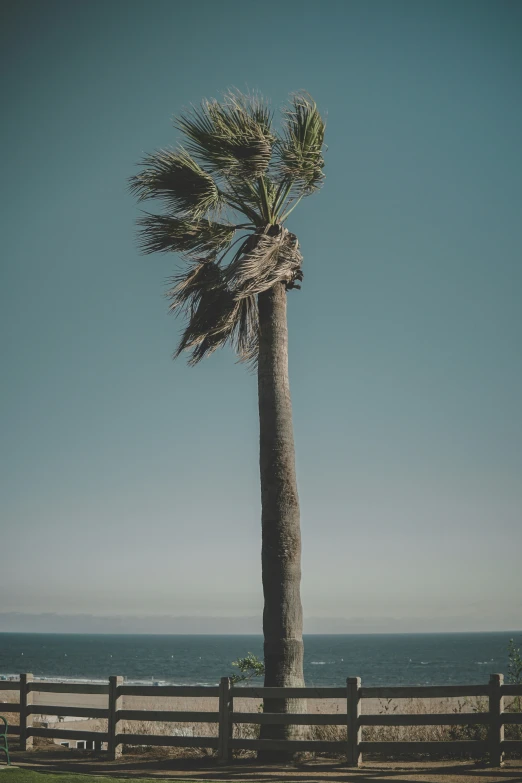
(379, 659)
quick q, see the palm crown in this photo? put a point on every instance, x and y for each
(226, 195)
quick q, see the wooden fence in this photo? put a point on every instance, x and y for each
(353, 694)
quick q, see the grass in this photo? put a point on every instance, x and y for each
(19, 775)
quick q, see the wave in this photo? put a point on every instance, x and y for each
(101, 681)
(322, 663)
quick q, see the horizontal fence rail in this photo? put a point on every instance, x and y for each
(495, 718)
(168, 690)
(512, 690)
(169, 716)
(67, 734)
(306, 719)
(288, 693)
(68, 712)
(9, 706)
(65, 687)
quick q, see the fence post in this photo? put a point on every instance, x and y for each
(26, 717)
(114, 705)
(496, 725)
(353, 712)
(225, 722)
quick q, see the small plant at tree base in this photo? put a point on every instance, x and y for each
(250, 666)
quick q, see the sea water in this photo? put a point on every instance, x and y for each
(379, 659)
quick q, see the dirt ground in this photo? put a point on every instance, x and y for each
(246, 771)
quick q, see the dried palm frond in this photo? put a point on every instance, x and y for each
(204, 296)
(300, 156)
(176, 178)
(232, 138)
(264, 259)
(221, 320)
(211, 325)
(245, 337)
(215, 314)
(203, 276)
(160, 233)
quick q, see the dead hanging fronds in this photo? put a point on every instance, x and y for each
(203, 277)
(215, 315)
(267, 257)
(245, 337)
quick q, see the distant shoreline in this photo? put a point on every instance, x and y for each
(257, 635)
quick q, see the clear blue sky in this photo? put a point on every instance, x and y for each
(130, 482)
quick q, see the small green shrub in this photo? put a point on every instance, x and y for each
(250, 666)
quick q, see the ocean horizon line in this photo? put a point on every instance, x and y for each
(259, 635)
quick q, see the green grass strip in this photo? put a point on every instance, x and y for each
(21, 775)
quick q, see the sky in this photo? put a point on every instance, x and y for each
(129, 482)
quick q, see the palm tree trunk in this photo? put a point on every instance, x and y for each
(281, 535)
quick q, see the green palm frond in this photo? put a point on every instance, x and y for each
(177, 179)
(300, 151)
(232, 138)
(245, 197)
(255, 105)
(161, 233)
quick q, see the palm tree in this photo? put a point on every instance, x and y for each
(226, 197)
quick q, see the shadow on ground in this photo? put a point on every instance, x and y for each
(249, 771)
